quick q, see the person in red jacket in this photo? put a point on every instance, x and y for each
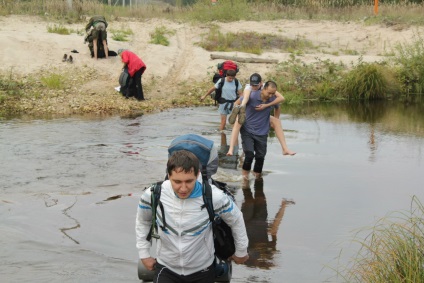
(136, 68)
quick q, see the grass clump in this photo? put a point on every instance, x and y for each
(393, 251)
(59, 29)
(122, 34)
(410, 60)
(369, 81)
(53, 81)
(159, 35)
(250, 42)
(10, 87)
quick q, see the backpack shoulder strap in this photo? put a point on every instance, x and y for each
(207, 199)
(156, 190)
(221, 83)
(237, 86)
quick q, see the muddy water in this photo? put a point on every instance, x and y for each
(69, 189)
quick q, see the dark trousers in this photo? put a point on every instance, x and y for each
(254, 147)
(135, 88)
(164, 275)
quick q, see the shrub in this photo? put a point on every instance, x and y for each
(393, 251)
(410, 59)
(159, 36)
(315, 81)
(122, 34)
(368, 81)
(59, 29)
(53, 81)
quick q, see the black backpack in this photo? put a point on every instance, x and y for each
(217, 95)
(205, 151)
(223, 237)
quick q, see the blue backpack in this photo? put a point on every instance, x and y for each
(207, 154)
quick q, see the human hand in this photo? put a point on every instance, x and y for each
(260, 107)
(239, 260)
(149, 263)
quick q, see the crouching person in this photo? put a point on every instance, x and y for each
(96, 32)
(185, 249)
(136, 68)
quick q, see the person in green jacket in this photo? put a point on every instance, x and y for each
(99, 25)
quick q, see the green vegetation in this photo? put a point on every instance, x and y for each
(369, 81)
(410, 61)
(299, 81)
(122, 34)
(391, 13)
(159, 36)
(250, 42)
(53, 81)
(10, 88)
(393, 251)
(59, 29)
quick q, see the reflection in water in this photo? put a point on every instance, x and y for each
(389, 116)
(373, 145)
(229, 162)
(262, 236)
(77, 224)
(382, 117)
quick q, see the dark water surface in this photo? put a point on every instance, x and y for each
(69, 189)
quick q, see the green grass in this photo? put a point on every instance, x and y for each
(53, 81)
(10, 86)
(159, 36)
(410, 61)
(59, 29)
(393, 251)
(391, 13)
(251, 42)
(121, 34)
(367, 81)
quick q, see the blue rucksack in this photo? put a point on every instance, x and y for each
(207, 154)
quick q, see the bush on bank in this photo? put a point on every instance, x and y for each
(393, 251)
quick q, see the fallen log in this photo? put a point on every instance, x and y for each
(244, 60)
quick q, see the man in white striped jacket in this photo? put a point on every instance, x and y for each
(185, 251)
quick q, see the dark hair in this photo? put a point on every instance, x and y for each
(183, 160)
(231, 73)
(270, 84)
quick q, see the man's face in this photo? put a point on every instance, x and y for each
(182, 182)
(268, 93)
(230, 78)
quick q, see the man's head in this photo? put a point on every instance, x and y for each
(230, 76)
(183, 169)
(269, 90)
(255, 81)
(120, 51)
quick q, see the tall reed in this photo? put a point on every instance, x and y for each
(393, 251)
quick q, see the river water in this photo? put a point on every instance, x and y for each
(70, 187)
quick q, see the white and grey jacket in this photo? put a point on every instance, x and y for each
(186, 246)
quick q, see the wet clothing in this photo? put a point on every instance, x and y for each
(136, 68)
(186, 246)
(165, 275)
(254, 147)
